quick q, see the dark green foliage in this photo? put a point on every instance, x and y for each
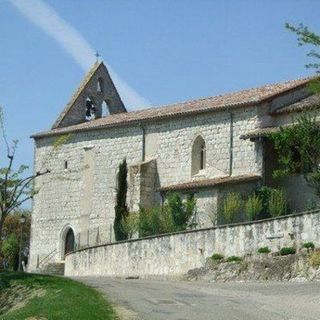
(217, 257)
(10, 251)
(298, 149)
(287, 250)
(234, 259)
(308, 245)
(264, 193)
(175, 215)
(121, 209)
(181, 211)
(155, 221)
(264, 250)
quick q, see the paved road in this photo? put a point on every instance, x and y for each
(173, 300)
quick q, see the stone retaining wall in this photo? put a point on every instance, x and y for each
(175, 254)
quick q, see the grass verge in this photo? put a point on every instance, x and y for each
(41, 297)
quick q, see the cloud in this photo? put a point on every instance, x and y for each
(73, 43)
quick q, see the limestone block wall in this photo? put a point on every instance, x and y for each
(175, 254)
(170, 143)
(83, 195)
(80, 190)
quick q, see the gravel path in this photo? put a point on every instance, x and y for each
(179, 300)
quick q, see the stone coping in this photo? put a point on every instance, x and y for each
(223, 226)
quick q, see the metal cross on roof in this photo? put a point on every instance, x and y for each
(97, 56)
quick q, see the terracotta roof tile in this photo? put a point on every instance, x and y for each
(238, 99)
(199, 184)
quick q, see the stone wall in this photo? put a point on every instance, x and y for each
(82, 196)
(175, 254)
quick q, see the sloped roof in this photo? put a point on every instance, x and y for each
(260, 132)
(237, 99)
(307, 103)
(199, 184)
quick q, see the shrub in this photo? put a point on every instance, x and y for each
(264, 250)
(264, 194)
(130, 224)
(277, 203)
(234, 259)
(253, 207)
(10, 250)
(287, 250)
(217, 257)
(181, 211)
(231, 206)
(308, 245)
(315, 259)
(154, 221)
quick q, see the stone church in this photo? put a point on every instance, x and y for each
(205, 147)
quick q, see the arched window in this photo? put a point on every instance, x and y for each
(100, 85)
(105, 109)
(90, 109)
(198, 157)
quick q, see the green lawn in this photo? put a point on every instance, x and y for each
(40, 297)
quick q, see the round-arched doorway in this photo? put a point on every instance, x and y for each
(69, 243)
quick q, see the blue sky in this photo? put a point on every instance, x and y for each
(168, 51)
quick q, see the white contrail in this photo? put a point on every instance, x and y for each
(47, 19)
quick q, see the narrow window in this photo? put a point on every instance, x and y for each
(198, 156)
(202, 157)
(100, 85)
(66, 164)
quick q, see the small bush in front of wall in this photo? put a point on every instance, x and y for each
(264, 194)
(130, 224)
(277, 203)
(264, 250)
(217, 257)
(308, 245)
(287, 250)
(232, 205)
(234, 259)
(315, 259)
(253, 207)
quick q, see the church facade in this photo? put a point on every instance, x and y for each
(205, 147)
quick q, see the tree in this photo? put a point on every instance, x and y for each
(10, 250)
(298, 149)
(307, 37)
(12, 226)
(15, 186)
(121, 209)
(298, 146)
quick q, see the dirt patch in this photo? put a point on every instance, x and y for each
(262, 267)
(17, 296)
